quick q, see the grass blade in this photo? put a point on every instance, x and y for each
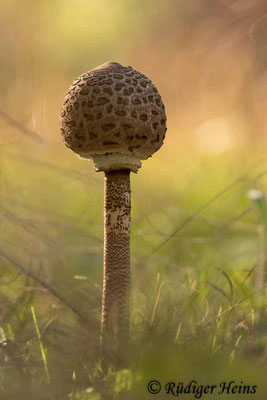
(40, 344)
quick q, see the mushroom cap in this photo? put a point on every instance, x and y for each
(115, 116)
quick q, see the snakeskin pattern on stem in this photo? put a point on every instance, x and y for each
(116, 280)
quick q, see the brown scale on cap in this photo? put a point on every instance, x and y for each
(115, 116)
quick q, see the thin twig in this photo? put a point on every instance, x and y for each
(33, 135)
(43, 283)
(201, 209)
(76, 175)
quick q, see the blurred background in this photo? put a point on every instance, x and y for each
(198, 207)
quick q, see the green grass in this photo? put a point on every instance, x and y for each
(196, 244)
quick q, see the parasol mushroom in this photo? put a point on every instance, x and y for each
(114, 115)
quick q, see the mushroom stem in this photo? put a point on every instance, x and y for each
(116, 280)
